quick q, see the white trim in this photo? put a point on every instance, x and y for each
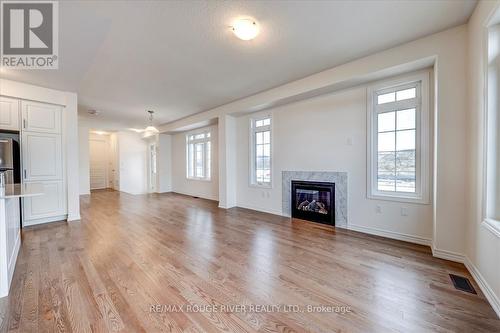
(483, 285)
(422, 196)
(447, 255)
(207, 169)
(390, 234)
(492, 226)
(487, 114)
(60, 218)
(73, 218)
(192, 194)
(262, 210)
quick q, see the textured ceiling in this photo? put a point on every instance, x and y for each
(180, 58)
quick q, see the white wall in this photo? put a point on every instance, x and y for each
(83, 151)
(483, 242)
(132, 156)
(200, 188)
(316, 135)
(70, 131)
(227, 148)
(164, 160)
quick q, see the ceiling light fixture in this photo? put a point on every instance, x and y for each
(245, 29)
(150, 130)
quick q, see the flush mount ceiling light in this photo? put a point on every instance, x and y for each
(245, 29)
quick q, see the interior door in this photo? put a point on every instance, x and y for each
(98, 150)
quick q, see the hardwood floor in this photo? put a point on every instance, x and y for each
(132, 256)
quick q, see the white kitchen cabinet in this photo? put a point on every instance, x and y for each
(42, 156)
(42, 162)
(41, 117)
(50, 206)
(9, 114)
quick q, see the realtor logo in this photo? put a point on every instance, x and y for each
(29, 33)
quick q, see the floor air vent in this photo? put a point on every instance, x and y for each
(462, 283)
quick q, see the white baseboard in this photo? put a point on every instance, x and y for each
(45, 220)
(390, 234)
(259, 209)
(485, 287)
(74, 217)
(476, 274)
(448, 255)
(196, 195)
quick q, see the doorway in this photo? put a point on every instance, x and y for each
(99, 161)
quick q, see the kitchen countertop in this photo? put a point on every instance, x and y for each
(20, 191)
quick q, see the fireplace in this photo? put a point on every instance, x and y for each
(313, 201)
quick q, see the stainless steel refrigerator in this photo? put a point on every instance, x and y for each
(7, 159)
(10, 159)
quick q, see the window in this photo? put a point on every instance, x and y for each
(261, 151)
(398, 140)
(491, 185)
(198, 152)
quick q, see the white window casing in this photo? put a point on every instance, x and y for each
(398, 132)
(261, 151)
(198, 155)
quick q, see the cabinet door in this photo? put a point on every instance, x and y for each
(40, 117)
(51, 204)
(9, 114)
(42, 156)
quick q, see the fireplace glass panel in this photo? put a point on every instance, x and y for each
(316, 201)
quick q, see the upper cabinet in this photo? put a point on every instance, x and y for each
(41, 118)
(9, 114)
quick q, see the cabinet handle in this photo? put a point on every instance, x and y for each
(24, 123)
(24, 173)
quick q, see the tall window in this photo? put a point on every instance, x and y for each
(261, 151)
(398, 140)
(491, 208)
(198, 152)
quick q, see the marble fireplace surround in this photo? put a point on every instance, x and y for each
(340, 180)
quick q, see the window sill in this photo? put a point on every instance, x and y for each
(493, 226)
(397, 198)
(264, 186)
(199, 179)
